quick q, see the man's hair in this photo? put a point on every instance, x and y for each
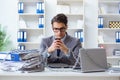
(60, 18)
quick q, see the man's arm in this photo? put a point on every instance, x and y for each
(72, 55)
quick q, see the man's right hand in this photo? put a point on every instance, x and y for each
(55, 45)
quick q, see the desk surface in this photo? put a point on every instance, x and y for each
(50, 73)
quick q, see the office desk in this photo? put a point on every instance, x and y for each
(53, 75)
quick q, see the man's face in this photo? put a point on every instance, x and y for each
(59, 29)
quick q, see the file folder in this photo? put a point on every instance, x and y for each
(20, 36)
(15, 56)
(76, 34)
(20, 7)
(41, 22)
(24, 37)
(7, 56)
(21, 47)
(40, 7)
(117, 36)
(100, 22)
(81, 36)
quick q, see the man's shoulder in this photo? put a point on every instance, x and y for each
(72, 38)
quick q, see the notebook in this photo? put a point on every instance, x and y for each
(93, 60)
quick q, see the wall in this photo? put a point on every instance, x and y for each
(9, 17)
(91, 13)
(50, 12)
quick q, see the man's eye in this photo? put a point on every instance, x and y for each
(56, 28)
(62, 28)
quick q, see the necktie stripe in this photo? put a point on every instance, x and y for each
(58, 52)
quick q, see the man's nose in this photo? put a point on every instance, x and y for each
(59, 31)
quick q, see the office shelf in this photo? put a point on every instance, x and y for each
(109, 1)
(30, 14)
(29, 22)
(108, 29)
(109, 11)
(30, 43)
(109, 43)
(31, 29)
(110, 14)
(74, 9)
(31, 1)
(70, 1)
(113, 57)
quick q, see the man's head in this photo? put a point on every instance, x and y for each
(59, 25)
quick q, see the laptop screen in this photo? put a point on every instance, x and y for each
(93, 60)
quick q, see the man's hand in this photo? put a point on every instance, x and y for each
(58, 44)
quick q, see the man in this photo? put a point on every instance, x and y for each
(61, 47)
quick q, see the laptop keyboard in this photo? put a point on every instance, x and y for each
(59, 65)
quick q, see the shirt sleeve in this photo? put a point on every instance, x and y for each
(48, 54)
(68, 54)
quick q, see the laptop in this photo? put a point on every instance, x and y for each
(58, 65)
(93, 60)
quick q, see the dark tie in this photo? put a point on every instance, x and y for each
(58, 52)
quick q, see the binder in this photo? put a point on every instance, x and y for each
(21, 34)
(15, 56)
(18, 36)
(117, 36)
(20, 7)
(40, 7)
(21, 47)
(76, 34)
(81, 36)
(5, 56)
(41, 22)
(9, 56)
(18, 47)
(100, 22)
(24, 36)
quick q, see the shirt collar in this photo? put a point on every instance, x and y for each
(62, 38)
